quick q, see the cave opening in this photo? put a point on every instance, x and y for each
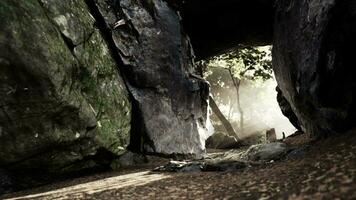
(243, 101)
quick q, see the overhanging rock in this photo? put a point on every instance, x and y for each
(313, 59)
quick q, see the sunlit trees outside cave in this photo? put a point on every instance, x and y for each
(243, 86)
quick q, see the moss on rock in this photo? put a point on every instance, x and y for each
(62, 95)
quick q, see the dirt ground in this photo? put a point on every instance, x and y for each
(317, 170)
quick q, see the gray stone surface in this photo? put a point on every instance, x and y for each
(170, 102)
(257, 153)
(65, 70)
(287, 109)
(313, 60)
(62, 98)
(265, 152)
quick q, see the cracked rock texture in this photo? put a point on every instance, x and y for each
(79, 77)
(313, 61)
(170, 103)
(62, 99)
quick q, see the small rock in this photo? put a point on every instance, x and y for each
(271, 135)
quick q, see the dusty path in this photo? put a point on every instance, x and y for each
(325, 170)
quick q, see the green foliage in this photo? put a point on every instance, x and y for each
(245, 63)
(252, 64)
(228, 72)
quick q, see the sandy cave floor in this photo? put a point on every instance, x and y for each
(320, 170)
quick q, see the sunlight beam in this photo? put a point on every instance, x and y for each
(77, 191)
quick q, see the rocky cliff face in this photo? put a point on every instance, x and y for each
(313, 59)
(62, 99)
(170, 102)
(68, 70)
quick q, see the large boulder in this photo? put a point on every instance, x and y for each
(62, 98)
(313, 59)
(266, 152)
(170, 102)
(220, 140)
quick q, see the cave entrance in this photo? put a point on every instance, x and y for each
(243, 98)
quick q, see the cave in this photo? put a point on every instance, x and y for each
(90, 85)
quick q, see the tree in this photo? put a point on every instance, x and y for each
(243, 63)
(225, 122)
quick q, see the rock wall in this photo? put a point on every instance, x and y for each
(170, 102)
(79, 77)
(313, 58)
(62, 99)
